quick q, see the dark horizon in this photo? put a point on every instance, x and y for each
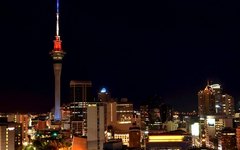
(136, 50)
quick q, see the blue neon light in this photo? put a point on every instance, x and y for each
(57, 6)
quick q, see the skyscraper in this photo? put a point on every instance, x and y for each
(57, 54)
(80, 96)
(212, 101)
(216, 111)
(10, 135)
(206, 101)
(95, 126)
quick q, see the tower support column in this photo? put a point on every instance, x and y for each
(57, 74)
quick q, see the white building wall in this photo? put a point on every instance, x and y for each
(92, 127)
(95, 127)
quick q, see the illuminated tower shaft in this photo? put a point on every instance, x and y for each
(57, 54)
(57, 74)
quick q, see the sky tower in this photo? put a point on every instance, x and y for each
(57, 54)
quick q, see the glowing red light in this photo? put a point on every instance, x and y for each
(57, 44)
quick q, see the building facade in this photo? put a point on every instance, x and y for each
(95, 126)
(80, 96)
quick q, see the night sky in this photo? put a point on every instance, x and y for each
(135, 49)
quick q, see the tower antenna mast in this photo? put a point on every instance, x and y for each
(57, 21)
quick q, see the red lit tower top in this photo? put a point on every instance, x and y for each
(57, 53)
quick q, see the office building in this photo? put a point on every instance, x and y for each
(206, 101)
(212, 101)
(24, 120)
(228, 107)
(124, 111)
(95, 126)
(10, 136)
(80, 96)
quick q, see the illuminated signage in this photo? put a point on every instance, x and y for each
(195, 129)
(165, 138)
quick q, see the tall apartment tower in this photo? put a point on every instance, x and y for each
(206, 101)
(80, 96)
(57, 55)
(212, 101)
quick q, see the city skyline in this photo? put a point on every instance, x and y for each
(134, 50)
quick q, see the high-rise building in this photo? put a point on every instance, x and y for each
(216, 111)
(22, 119)
(212, 101)
(95, 126)
(217, 94)
(206, 101)
(104, 97)
(80, 96)
(228, 107)
(57, 54)
(10, 136)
